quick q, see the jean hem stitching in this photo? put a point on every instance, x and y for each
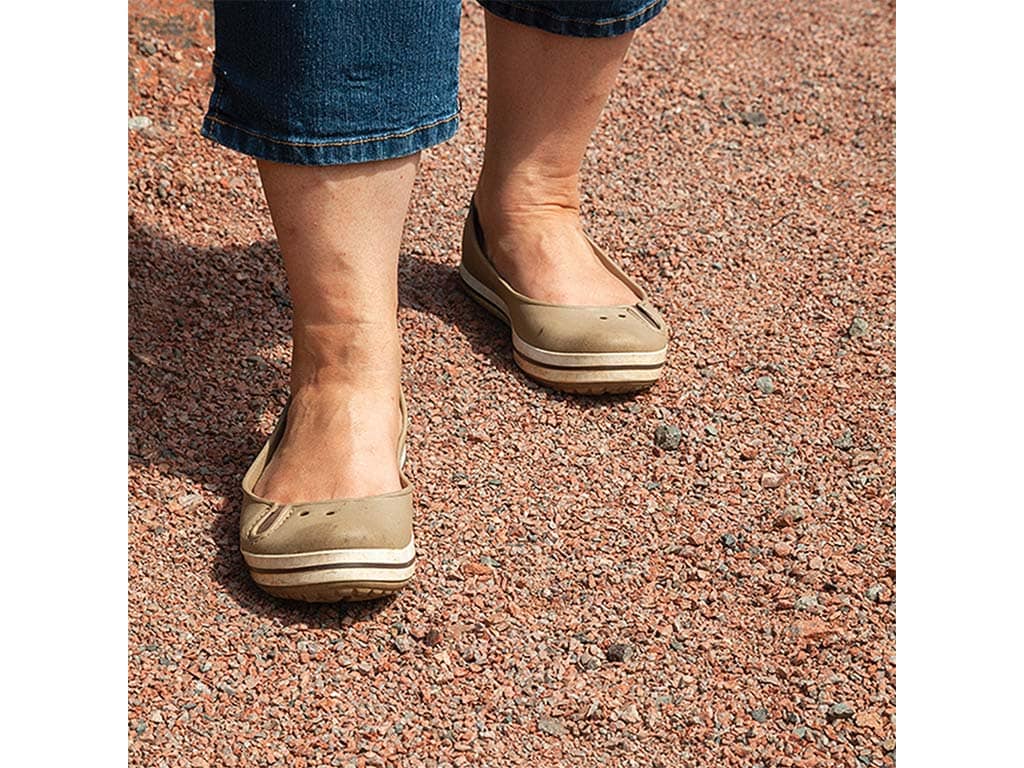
(346, 143)
(573, 19)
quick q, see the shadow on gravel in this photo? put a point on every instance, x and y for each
(207, 339)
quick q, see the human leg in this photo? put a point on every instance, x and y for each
(545, 95)
(336, 101)
(339, 229)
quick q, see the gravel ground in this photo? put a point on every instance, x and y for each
(701, 575)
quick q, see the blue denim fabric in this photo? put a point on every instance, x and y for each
(577, 18)
(330, 82)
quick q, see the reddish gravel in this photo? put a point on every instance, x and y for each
(748, 577)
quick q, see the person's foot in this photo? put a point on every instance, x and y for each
(344, 422)
(541, 251)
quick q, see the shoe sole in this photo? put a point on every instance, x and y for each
(589, 373)
(333, 575)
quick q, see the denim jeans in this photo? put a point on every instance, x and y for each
(329, 82)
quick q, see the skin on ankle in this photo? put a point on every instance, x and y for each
(543, 254)
(538, 129)
(344, 421)
(340, 442)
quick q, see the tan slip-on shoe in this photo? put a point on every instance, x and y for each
(326, 551)
(581, 349)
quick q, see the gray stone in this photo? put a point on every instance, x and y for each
(147, 48)
(858, 327)
(619, 652)
(807, 603)
(728, 541)
(765, 384)
(139, 123)
(668, 437)
(630, 714)
(839, 711)
(760, 714)
(845, 442)
(552, 726)
(755, 118)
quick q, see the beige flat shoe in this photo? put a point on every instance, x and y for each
(326, 551)
(580, 349)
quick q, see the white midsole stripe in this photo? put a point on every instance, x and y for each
(482, 289)
(332, 557)
(588, 375)
(329, 575)
(587, 359)
(564, 359)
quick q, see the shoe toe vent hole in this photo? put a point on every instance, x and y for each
(621, 315)
(303, 514)
(330, 513)
(604, 317)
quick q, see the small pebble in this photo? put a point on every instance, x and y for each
(765, 384)
(432, 638)
(147, 48)
(839, 711)
(876, 593)
(668, 437)
(139, 123)
(728, 541)
(844, 442)
(552, 726)
(619, 652)
(630, 714)
(807, 603)
(858, 327)
(789, 517)
(868, 720)
(760, 714)
(755, 118)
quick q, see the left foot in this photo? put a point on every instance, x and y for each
(541, 251)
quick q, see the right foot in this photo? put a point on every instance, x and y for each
(341, 438)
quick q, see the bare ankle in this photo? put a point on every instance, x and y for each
(346, 356)
(524, 194)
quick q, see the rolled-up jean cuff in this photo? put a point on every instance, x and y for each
(583, 18)
(298, 151)
(334, 82)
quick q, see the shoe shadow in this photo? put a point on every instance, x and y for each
(208, 357)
